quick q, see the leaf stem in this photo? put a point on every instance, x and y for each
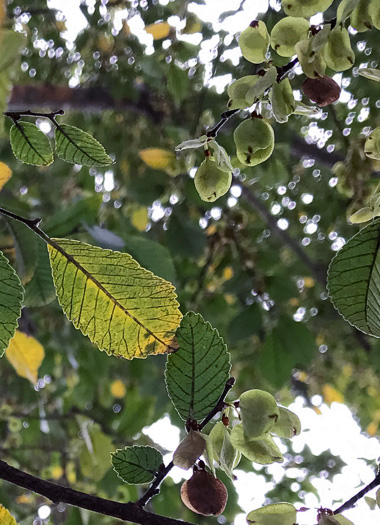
(220, 405)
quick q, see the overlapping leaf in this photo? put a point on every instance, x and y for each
(25, 355)
(11, 295)
(123, 308)
(274, 514)
(136, 465)
(196, 374)
(354, 280)
(75, 145)
(30, 145)
(40, 289)
(24, 246)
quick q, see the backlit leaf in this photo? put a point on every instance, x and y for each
(123, 308)
(25, 355)
(75, 145)
(157, 158)
(5, 517)
(25, 248)
(197, 373)
(262, 450)
(30, 145)
(136, 465)
(274, 514)
(159, 30)
(11, 296)
(5, 174)
(354, 280)
(371, 73)
(94, 458)
(40, 290)
(139, 218)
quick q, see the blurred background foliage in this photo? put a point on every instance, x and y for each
(253, 263)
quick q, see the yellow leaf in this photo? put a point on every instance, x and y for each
(5, 174)
(330, 394)
(56, 472)
(139, 218)
(157, 158)
(228, 273)
(25, 355)
(5, 517)
(372, 428)
(26, 499)
(118, 389)
(123, 308)
(158, 30)
(309, 282)
(230, 299)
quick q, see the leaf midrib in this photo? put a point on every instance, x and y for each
(373, 263)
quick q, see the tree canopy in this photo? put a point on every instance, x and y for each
(189, 236)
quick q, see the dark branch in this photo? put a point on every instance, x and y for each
(220, 405)
(224, 117)
(351, 502)
(59, 494)
(16, 115)
(281, 71)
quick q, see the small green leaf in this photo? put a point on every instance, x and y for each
(354, 280)
(197, 373)
(30, 145)
(274, 514)
(371, 73)
(75, 145)
(11, 296)
(136, 465)
(262, 450)
(40, 290)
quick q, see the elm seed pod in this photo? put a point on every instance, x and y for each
(286, 33)
(305, 7)
(323, 90)
(372, 145)
(254, 42)
(204, 494)
(254, 140)
(189, 450)
(210, 181)
(337, 52)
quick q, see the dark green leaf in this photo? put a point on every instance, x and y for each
(354, 280)
(67, 220)
(11, 296)
(245, 324)
(75, 145)
(178, 83)
(40, 290)
(30, 145)
(196, 374)
(25, 246)
(136, 465)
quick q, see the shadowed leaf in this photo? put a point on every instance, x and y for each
(136, 465)
(30, 145)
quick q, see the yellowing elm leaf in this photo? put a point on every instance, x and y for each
(5, 517)
(5, 174)
(25, 355)
(158, 30)
(157, 158)
(139, 218)
(123, 308)
(330, 394)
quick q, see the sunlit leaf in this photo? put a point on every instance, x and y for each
(136, 465)
(354, 280)
(11, 296)
(274, 514)
(118, 389)
(139, 218)
(196, 374)
(5, 174)
(158, 30)
(157, 158)
(30, 145)
(25, 355)
(123, 308)
(5, 517)
(331, 394)
(75, 145)
(371, 73)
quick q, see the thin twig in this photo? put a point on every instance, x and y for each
(351, 502)
(16, 115)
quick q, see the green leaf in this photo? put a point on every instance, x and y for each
(371, 73)
(178, 83)
(11, 296)
(136, 465)
(123, 308)
(75, 145)
(67, 220)
(11, 44)
(289, 345)
(197, 373)
(30, 145)
(225, 454)
(40, 290)
(274, 514)
(262, 450)
(354, 280)
(94, 457)
(24, 241)
(245, 324)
